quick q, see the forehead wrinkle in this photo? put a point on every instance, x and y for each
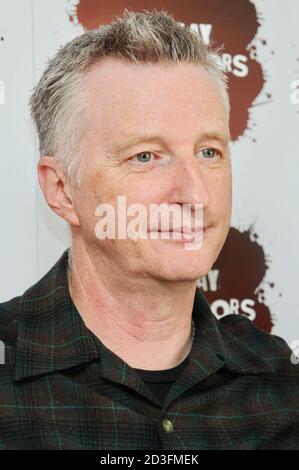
(146, 134)
(117, 123)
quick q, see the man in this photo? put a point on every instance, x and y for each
(116, 347)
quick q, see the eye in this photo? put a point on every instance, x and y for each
(210, 153)
(143, 157)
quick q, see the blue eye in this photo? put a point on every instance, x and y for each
(144, 157)
(209, 153)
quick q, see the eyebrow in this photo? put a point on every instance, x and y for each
(149, 138)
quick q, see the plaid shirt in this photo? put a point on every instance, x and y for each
(61, 388)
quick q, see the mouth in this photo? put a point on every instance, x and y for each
(187, 230)
(180, 233)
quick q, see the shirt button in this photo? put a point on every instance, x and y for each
(167, 425)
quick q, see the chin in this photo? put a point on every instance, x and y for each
(184, 269)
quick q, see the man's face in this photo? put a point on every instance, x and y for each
(185, 162)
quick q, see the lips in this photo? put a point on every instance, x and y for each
(181, 233)
(179, 229)
(186, 230)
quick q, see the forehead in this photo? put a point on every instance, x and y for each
(160, 97)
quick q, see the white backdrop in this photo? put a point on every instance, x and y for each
(265, 171)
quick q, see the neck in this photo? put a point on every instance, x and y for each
(134, 318)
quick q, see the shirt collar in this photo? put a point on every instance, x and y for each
(225, 339)
(51, 335)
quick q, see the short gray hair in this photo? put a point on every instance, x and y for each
(150, 36)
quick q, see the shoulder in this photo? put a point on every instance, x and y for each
(39, 297)
(241, 335)
(8, 314)
(8, 334)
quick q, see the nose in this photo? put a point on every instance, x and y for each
(189, 184)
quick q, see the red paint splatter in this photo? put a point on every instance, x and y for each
(242, 266)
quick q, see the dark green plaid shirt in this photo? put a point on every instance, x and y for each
(61, 388)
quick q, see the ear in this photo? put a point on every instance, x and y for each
(55, 187)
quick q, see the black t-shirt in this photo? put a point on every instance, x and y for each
(160, 381)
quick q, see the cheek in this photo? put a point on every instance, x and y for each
(220, 189)
(144, 189)
(86, 210)
(90, 194)
(227, 190)
(103, 189)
